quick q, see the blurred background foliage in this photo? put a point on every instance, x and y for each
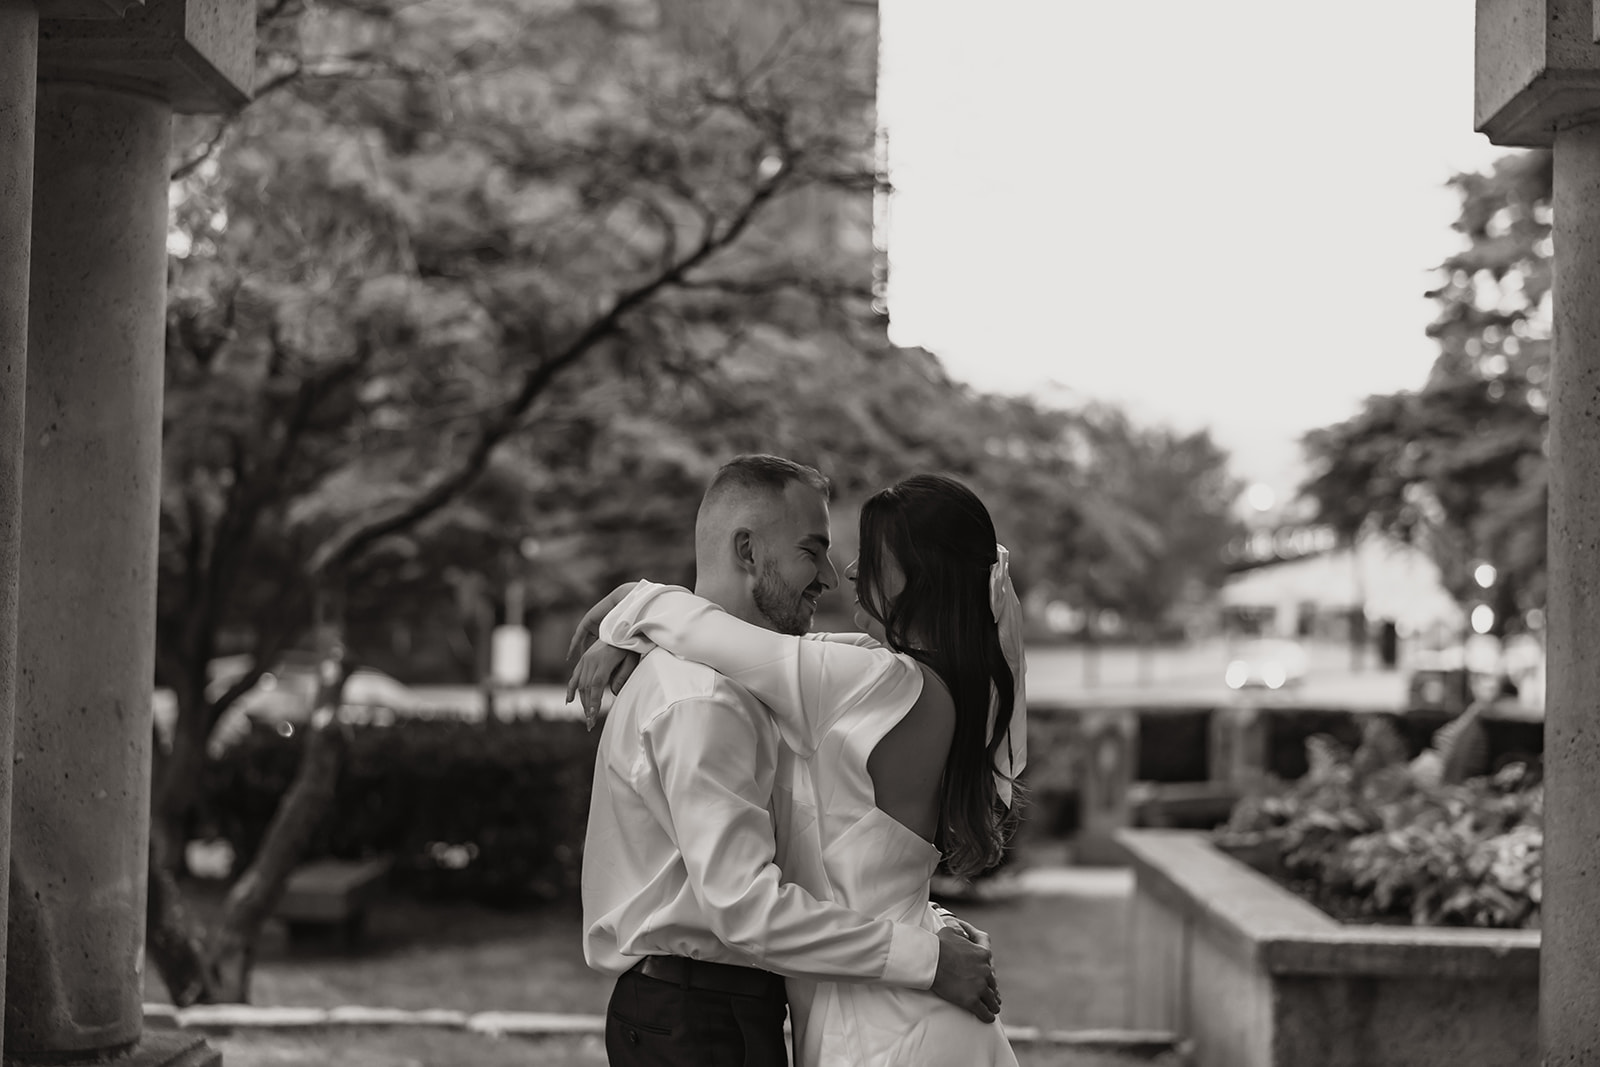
(477, 294)
(1460, 466)
(484, 292)
(496, 816)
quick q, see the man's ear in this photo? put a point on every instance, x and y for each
(744, 549)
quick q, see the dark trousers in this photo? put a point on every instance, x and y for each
(652, 1023)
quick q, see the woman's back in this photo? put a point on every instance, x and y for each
(907, 765)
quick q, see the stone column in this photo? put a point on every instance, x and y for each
(1569, 999)
(19, 52)
(86, 611)
(111, 73)
(1537, 85)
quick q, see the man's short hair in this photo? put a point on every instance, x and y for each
(763, 473)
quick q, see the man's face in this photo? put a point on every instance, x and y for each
(793, 568)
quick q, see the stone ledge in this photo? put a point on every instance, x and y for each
(1290, 936)
(1182, 870)
(354, 1015)
(534, 1023)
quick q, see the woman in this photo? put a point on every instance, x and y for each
(890, 776)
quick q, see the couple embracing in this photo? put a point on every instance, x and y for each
(771, 805)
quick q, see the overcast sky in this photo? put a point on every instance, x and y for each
(1218, 214)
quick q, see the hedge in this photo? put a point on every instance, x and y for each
(488, 812)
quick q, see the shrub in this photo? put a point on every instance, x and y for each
(493, 813)
(1370, 837)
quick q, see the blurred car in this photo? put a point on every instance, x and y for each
(1267, 663)
(284, 697)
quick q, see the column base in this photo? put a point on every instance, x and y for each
(158, 1048)
(170, 1048)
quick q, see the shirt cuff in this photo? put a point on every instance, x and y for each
(618, 627)
(913, 957)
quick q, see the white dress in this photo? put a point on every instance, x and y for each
(834, 700)
(854, 853)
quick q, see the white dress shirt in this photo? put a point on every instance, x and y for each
(834, 698)
(679, 854)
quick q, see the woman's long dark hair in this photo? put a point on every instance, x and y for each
(944, 541)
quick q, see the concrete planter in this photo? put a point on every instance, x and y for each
(1255, 976)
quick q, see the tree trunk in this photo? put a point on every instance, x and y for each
(175, 784)
(232, 944)
(214, 966)
(173, 939)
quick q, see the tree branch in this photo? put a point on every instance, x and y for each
(341, 552)
(206, 151)
(817, 287)
(269, 12)
(214, 142)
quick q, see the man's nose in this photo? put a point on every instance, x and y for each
(826, 573)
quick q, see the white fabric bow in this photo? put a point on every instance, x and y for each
(1012, 756)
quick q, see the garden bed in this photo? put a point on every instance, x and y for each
(1256, 976)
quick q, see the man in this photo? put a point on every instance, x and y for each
(682, 898)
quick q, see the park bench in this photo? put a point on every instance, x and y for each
(329, 895)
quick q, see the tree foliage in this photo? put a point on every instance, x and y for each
(484, 290)
(446, 243)
(1459, 465)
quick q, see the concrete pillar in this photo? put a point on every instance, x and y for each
(86, 610)
(19, 50)
(1569, 979)
(1537, 85)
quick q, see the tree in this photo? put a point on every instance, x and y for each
(484, 290)
(1459, 466)
(440, 225)
(1180, 489)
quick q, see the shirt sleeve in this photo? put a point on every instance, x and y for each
(808, 685)
(701, 750)
(861, 640)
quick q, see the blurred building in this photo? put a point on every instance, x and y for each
(1297, 579)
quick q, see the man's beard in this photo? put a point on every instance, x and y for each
(781, 604)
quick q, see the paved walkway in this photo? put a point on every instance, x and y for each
(250, 1034)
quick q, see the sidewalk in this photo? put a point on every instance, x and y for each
(1058, 933)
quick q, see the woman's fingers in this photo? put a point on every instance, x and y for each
(602, 666)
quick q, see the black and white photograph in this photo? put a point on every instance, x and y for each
(799, 533)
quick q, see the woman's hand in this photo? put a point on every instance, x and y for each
(600, 666)
(589, 626)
